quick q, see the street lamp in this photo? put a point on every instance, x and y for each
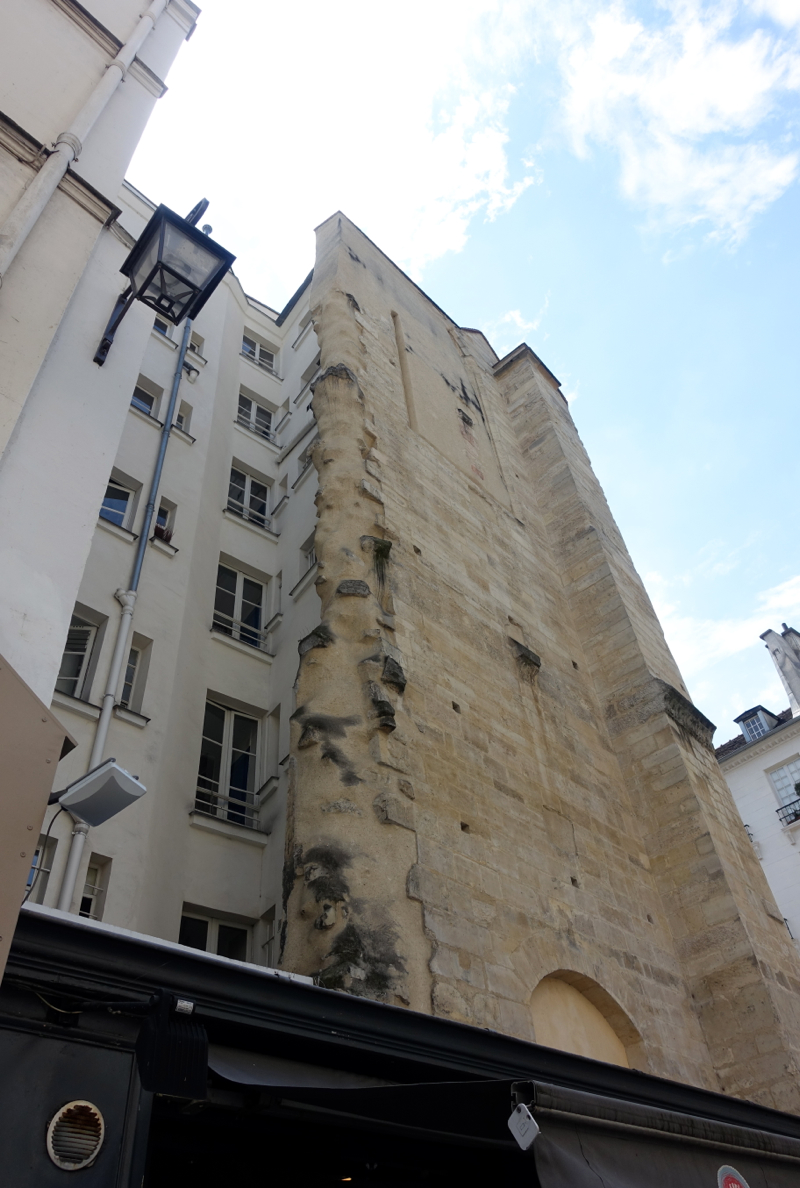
(173, 268)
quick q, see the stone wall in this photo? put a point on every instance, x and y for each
(498, 775)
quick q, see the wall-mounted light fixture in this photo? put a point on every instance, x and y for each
(173, 268)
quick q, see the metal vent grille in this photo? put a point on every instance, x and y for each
(75, 1135)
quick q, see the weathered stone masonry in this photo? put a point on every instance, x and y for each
(497, 773)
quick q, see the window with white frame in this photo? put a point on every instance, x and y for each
(215, 936)
(131, 668)
(164, 524)
(755, 727)
(144, 401)
(270, 946)
(248, 497)
(786, 782)
(75, 660)
(118, 504)
(226, 776)
(239, 607)
(258, 353)
(94, 888)
(41, 865)
(184, 418)
(308, 556)
(196, 344)
(161, 326)
(254, 416)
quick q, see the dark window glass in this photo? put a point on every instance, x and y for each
(225, 600)
(258, 501)
(193, 933)
(232, 942)
(252, 600)
(143, 401)
(236, 489)
(243, 765)
(115, 504)
(208, 773)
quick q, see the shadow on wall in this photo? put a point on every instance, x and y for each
(574, 1014)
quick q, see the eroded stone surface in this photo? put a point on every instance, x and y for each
(547, 807)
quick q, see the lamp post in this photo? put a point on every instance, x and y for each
(173, 268)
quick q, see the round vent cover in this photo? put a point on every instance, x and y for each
(75, 1135)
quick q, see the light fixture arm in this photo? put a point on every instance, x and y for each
(120, 309)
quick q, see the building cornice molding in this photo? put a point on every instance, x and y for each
(90, 25)
(769, 741)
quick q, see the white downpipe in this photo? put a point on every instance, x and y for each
(34, 199)
(79, 835)
(127, 599)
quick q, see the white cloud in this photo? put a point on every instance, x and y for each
(508, 330)
(686, 104)
(398, 117)
(697, 643)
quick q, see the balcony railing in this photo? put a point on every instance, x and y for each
(239, 807)
(790, 812)
(248, 513)
(255, 637)
(253, 426)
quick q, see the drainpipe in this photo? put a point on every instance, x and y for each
(127, 599)
(68, 144)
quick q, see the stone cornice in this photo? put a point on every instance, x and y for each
(769, 741)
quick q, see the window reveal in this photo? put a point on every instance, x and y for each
(75, 660)
(226, 779)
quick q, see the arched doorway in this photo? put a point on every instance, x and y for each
(575, 1014)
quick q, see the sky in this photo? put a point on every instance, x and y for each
(614, 183)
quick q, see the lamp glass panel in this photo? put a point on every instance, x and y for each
(147, 262)
(189, 259)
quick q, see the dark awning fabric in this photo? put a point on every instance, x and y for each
(588, 1141)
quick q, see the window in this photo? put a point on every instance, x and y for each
(75, 661)
(786, 782)
(164, 525)
(254, 417)
(304, 461)
(117, 505)
(143, 401)
(215, 936)
(41, 866)
(226, 777)
(196, 344)
(134, 656)
(247, 497)
(94, 889)
(239, 607)
(269, 944)
(308, 556)
(754, 727)
(184, 418)
(161, 326)
(258, 353)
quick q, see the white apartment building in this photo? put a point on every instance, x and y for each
(762, 768)
(227, 590)
(77, 85)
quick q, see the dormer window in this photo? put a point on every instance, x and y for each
(756, 722)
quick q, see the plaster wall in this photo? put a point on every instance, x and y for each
(747, 776)
(163, 855)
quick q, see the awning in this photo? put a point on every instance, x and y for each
(588, 1141)
(585, 1140)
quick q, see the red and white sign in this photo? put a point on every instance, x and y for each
(728, 1177)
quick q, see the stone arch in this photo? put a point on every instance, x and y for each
(574, 1013)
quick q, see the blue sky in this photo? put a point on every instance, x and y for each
(614, 183)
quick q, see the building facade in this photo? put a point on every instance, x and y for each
(762, 768)
(406, 719)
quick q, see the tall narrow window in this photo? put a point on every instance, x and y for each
(254, 417)
(130, 678)
(94, 889)
(41, 865)
(75, 661)
(226, 778)
(247, 497)
(239, 607)
(258, 353)
(117, 504)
